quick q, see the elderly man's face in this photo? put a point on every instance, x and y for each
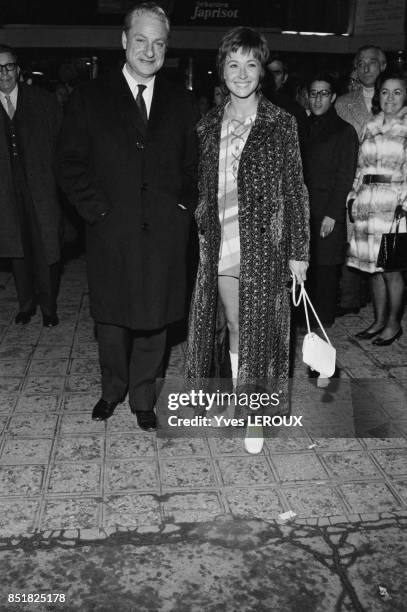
(368, 67)
(9, 72)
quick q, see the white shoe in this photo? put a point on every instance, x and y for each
(253, 441)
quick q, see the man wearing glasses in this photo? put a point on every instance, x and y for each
(355, 107)
(330, 157)
(29, 208)
(127, 161)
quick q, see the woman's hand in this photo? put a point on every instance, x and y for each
(327, 226)
(299, 269)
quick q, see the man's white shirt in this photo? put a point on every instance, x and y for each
(133, 84)
(13, 98)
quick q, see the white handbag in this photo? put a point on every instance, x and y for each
(317, 353)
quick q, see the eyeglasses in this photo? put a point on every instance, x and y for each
(8, 67)
(324, 93)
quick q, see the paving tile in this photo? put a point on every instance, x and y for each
(337, 444)
(3, 423)
(7, 402)
(192, 507)
(245, 470)
(83, 402)
(79, 448)
(80, 423)
(349, 465)
(123, 421)
(298, 466)
(226, 446)
(76, 513)
(391, 442)
(75, 478)
(176, 447)
(127, 446)
(250, 502)
(314, 500)
(10, 383)
(369, 497)
(48, 367)
(21, 479)
(14, 367)
(131, 511)
(17, 517)
(44, 384)
(15, 352)
(26, 451)
(401, 487)
(85, 351)
(187, 473)
(83, 383)
(38, 403)
(85, 366)
(51, 351)
(33, 425)
(283, 444)
(394, 462)
(140, 474)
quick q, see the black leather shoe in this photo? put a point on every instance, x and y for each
(383, 342)
(103, 410)
(22, 318)
(146, 420)
(50, 320)
(341, 311)
(367, 335)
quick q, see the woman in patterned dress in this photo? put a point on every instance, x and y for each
(379, 187)
(253, 224)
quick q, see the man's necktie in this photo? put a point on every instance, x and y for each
(10, 108)
(141, 104)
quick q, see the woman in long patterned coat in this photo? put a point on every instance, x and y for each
(380, 186)
(253, 224)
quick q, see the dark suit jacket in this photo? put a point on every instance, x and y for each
(37, 121)
(109, 163)
(330, 158)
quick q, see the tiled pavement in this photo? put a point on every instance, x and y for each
(61, 471)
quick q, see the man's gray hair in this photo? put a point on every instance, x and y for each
(151, 8)
(380, 53)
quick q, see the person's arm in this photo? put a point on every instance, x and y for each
(189, 196)
(73, 165)
(345, 161)
(296, 205)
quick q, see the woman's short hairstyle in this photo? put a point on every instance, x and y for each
(246, 39)
(389, 73)
(151, 8)
(328, 77)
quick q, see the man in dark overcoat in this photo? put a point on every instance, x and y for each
(127, 160)
(29, 207)
(330, 158)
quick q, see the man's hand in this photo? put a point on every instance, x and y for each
(327, 226)
(299, 269)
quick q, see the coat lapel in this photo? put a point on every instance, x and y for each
(124, 106)
(264, 124)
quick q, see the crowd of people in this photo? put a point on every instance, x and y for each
(278, 185)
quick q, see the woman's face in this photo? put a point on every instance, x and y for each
(242, 73)
(393, 96)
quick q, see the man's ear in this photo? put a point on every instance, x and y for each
(285, 78)
(124, 40)
(333, 98)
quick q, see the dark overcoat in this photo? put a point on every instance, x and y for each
(273, 227)
(37, 119)
(109, 163)
(330, 160)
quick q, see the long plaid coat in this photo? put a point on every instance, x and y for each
(273, 226)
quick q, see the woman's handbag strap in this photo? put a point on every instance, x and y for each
(303, 295)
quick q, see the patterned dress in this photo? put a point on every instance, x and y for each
(383, 151)
(233, 139)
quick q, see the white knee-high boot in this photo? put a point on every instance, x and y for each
(234, 363)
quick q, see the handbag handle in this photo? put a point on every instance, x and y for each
(303, 295)
(399, 213)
